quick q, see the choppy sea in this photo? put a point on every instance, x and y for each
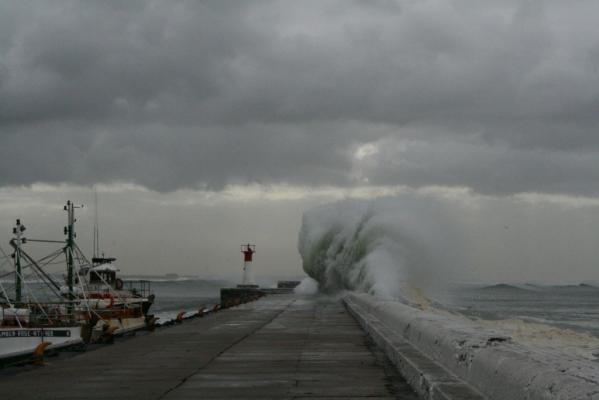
(574, 307)
(183, 294)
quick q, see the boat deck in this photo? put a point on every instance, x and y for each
(279, 347)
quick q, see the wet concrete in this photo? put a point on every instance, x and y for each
(280, 347)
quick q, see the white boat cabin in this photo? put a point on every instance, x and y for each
(105, 274)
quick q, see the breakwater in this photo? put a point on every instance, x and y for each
(443, 355)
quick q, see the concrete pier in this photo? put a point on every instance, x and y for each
(445, 356)
(279, 347)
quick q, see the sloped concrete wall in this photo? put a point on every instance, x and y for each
(493, 364)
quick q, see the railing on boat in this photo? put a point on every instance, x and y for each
(141, 288)
(49, 314)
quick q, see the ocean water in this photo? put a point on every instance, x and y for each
(573, 307)
(190, 294)
(559, 319)
(182, 294)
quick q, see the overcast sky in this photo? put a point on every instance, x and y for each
(288, 104)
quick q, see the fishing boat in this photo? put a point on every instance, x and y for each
(29, 323)
(91, 305)
(114, 307)
(119, 306)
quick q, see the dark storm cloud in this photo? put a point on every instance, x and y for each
(501, 96)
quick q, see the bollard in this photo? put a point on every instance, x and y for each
(108, 333)
(38, 353)
(151, 322)
(179, 318)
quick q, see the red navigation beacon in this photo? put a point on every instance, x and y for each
(248, 250)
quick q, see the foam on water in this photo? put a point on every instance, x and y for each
(547, 337)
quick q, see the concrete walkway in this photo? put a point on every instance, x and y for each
(280, 347)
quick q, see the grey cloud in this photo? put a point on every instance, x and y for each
(489, 169)
(206, 157)
(207, 93)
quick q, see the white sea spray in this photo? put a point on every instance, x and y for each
(406, 246)
(307, 286)
(425, 240)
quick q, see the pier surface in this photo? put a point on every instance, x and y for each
(279, 347)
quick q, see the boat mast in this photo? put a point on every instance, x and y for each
(69, 230)
(18, 230)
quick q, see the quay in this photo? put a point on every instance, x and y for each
(279, 347)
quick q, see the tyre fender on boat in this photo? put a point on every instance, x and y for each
(118, 283)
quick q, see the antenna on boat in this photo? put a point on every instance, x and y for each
(96, 251)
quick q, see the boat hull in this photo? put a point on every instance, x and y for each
(17, 343)
(121, 326)
(124, 314)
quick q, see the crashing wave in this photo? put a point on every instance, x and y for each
(348, 247)
(425, 240)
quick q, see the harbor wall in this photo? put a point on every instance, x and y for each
(230, 297)
(454, 352)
